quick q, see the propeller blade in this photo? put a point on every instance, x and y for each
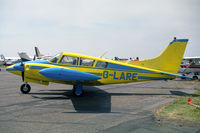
(23, 76)
(22, 64)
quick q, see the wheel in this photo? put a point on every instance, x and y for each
(183, 77)
(195, 78)
(77, 95)
(80, 94)
(25, 88)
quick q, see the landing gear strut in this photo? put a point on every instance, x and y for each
(25, 88)
(78, 90)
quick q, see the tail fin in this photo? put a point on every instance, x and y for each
(2, 57)
(169, 60)
(37, 52)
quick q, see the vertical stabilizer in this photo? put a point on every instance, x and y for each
(2, 57)
(169, 60)
(37, 52)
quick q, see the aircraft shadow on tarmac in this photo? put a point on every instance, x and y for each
(95, 100)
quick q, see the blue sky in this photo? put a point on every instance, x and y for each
(124, 28)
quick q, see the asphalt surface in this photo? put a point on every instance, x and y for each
(110, 108)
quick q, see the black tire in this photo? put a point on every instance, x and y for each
(25, 88)
(77, 95)
(183, 77)
(195, 78)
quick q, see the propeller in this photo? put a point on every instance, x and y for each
(22, 65)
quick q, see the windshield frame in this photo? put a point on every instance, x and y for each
(55, 59)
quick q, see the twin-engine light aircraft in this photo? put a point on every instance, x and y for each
(79, 70)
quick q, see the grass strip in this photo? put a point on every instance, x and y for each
(181, 110)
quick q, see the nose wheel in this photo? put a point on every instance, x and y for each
(25, 88)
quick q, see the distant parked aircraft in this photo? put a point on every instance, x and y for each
(190, 65)
(41, 56)
(24, 57)
(38, 56)
(12, 60)
(2, 60)
(8, 60)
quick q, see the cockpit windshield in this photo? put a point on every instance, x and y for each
(55, 58)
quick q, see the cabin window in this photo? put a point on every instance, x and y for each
(69, 60)
(102, 64)
(198, 60)
(86, 62)
(193, 62)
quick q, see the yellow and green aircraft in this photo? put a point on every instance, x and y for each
(79, 70)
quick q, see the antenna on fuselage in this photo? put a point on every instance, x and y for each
(103, 54)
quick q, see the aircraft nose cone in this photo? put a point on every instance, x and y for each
(19, 67)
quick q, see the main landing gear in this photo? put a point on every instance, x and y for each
(78, 90)
(25, 88)
(195, 77)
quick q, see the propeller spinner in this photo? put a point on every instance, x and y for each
(20, 67)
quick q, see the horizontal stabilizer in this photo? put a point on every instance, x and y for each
(177, 75)
(65, 74)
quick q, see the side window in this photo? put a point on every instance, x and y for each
(86, 62)
(69, 60)
(198, 61)
(193, 62)
(187, 62)
(102, 64)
